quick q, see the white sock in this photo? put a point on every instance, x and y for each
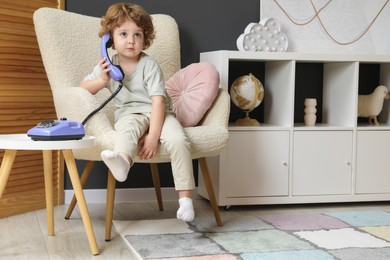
(118, 165)
(186, 210)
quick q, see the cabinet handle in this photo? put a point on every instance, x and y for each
(285, 163)
(348, 163)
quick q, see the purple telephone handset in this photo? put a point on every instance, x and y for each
(116, 72)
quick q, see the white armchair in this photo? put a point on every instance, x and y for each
(69, 46)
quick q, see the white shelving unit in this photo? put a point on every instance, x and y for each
(340, 159)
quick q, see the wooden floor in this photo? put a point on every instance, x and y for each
(25, 236)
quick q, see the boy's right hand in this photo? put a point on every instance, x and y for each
(105, 69)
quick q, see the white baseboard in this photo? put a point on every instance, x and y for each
(126, 195)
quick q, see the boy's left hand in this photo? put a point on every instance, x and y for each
(147, 147)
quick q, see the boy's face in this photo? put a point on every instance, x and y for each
(128, 40)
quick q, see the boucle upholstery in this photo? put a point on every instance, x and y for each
(69, 45)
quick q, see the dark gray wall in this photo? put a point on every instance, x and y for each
(204, 25)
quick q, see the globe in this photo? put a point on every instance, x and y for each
(247, 93)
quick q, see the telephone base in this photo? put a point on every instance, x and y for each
(57, 130)
(55, 138)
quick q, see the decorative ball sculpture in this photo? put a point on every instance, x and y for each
(247, 93)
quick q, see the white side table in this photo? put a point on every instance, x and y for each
(14, 142)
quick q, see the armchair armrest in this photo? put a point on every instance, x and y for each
(211, 134)
(218, 113)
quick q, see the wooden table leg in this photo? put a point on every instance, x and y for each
(83, 179)
(5, 169)
(48, 173)
(78, 190)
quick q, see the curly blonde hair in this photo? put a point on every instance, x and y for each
(119, 13)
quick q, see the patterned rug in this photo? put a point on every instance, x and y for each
(337, 235)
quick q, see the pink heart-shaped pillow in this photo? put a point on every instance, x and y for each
(193, 90)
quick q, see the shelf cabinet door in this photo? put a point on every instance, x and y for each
(372, 162)
(322, 162)
(257, 163)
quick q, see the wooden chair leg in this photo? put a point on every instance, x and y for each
(157, 184)
(83, 180)
(210, 190)
(109, 204)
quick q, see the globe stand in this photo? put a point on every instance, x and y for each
(247, 121)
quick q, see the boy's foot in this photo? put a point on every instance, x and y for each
(118, 165)
(186, 210)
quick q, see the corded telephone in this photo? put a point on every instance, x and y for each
(51, 130)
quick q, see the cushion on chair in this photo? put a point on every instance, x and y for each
(193, 90)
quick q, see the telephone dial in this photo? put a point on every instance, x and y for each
(51, 130)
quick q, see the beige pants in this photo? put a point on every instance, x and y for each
(131, 127)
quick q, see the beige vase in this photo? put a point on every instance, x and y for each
(310, 111)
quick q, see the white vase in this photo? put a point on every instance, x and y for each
(310, 111)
